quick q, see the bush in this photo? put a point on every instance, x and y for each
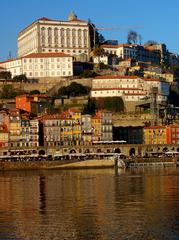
(73, 90)
(114, 104)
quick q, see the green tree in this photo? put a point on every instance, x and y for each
(73, 90)
(5, 75)
(98, 51)
(20, 78)
(175, 70)
(35, 92)
(114, 104)
(8, 92)
(90, 107)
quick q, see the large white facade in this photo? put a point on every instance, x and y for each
(46, 35)
(37, 65)
(130, 88)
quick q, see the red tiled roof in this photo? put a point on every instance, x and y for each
(155, 127)
(134, 94)
(109, 46)
(116, 46)
(116, 77)
(99, 89)
(46, 55)
(44, 19)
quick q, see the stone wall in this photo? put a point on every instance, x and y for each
(55, 165)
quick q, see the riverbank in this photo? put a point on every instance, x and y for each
(65, 164)
(84, 164)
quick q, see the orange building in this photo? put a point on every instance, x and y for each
(173, 134)
(36, 103)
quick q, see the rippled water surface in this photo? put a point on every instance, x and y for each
(90, 204)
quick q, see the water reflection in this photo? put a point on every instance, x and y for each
(90, 204)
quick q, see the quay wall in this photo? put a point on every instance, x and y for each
(76, 164)
(38, 165)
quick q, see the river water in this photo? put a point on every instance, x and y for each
(90, 204)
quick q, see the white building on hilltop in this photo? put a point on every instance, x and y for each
(46, 35)
(39, 65)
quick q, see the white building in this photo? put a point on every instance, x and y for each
(124, 51)
(46, 35)
(130, 88)
(41, 65)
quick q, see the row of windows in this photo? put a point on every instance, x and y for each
(52, 66)
(45, 74)
(42, 60)
(121, 92)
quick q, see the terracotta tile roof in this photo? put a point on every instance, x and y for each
(3, 128)
(10, 60)
(116, 77)
(134, 94)
(117, 46)
(44, 19)
(46, 55)
(109, 46)
(74, 110)
(100, 89)
(155, 127)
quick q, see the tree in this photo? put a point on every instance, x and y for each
(114, 104)
(5, 75)
(35, 92)
(8, 92)
(20, 78)
(151, 42)
(98, 51)
(132, 37)
(90, 107)
(175, 70)
(73, 90)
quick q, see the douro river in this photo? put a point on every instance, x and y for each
(90, 204)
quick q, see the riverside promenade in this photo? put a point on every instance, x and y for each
(91, 156)
(87, 162)
(140, 150)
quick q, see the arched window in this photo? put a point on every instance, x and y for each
(68, 37)
(73, 37)
(85, 37)
(56, 36)
(43, 36)
(49, 36)
(62, 33)
(79, 38)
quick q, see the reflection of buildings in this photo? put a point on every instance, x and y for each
(81, 204)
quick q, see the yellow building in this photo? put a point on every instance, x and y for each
(96, 128)
(155, 135)
(4, 136)
(14, 128)
(75, 115)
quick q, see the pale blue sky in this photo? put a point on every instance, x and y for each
(158, 19)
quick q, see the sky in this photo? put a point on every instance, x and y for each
(154, 20)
